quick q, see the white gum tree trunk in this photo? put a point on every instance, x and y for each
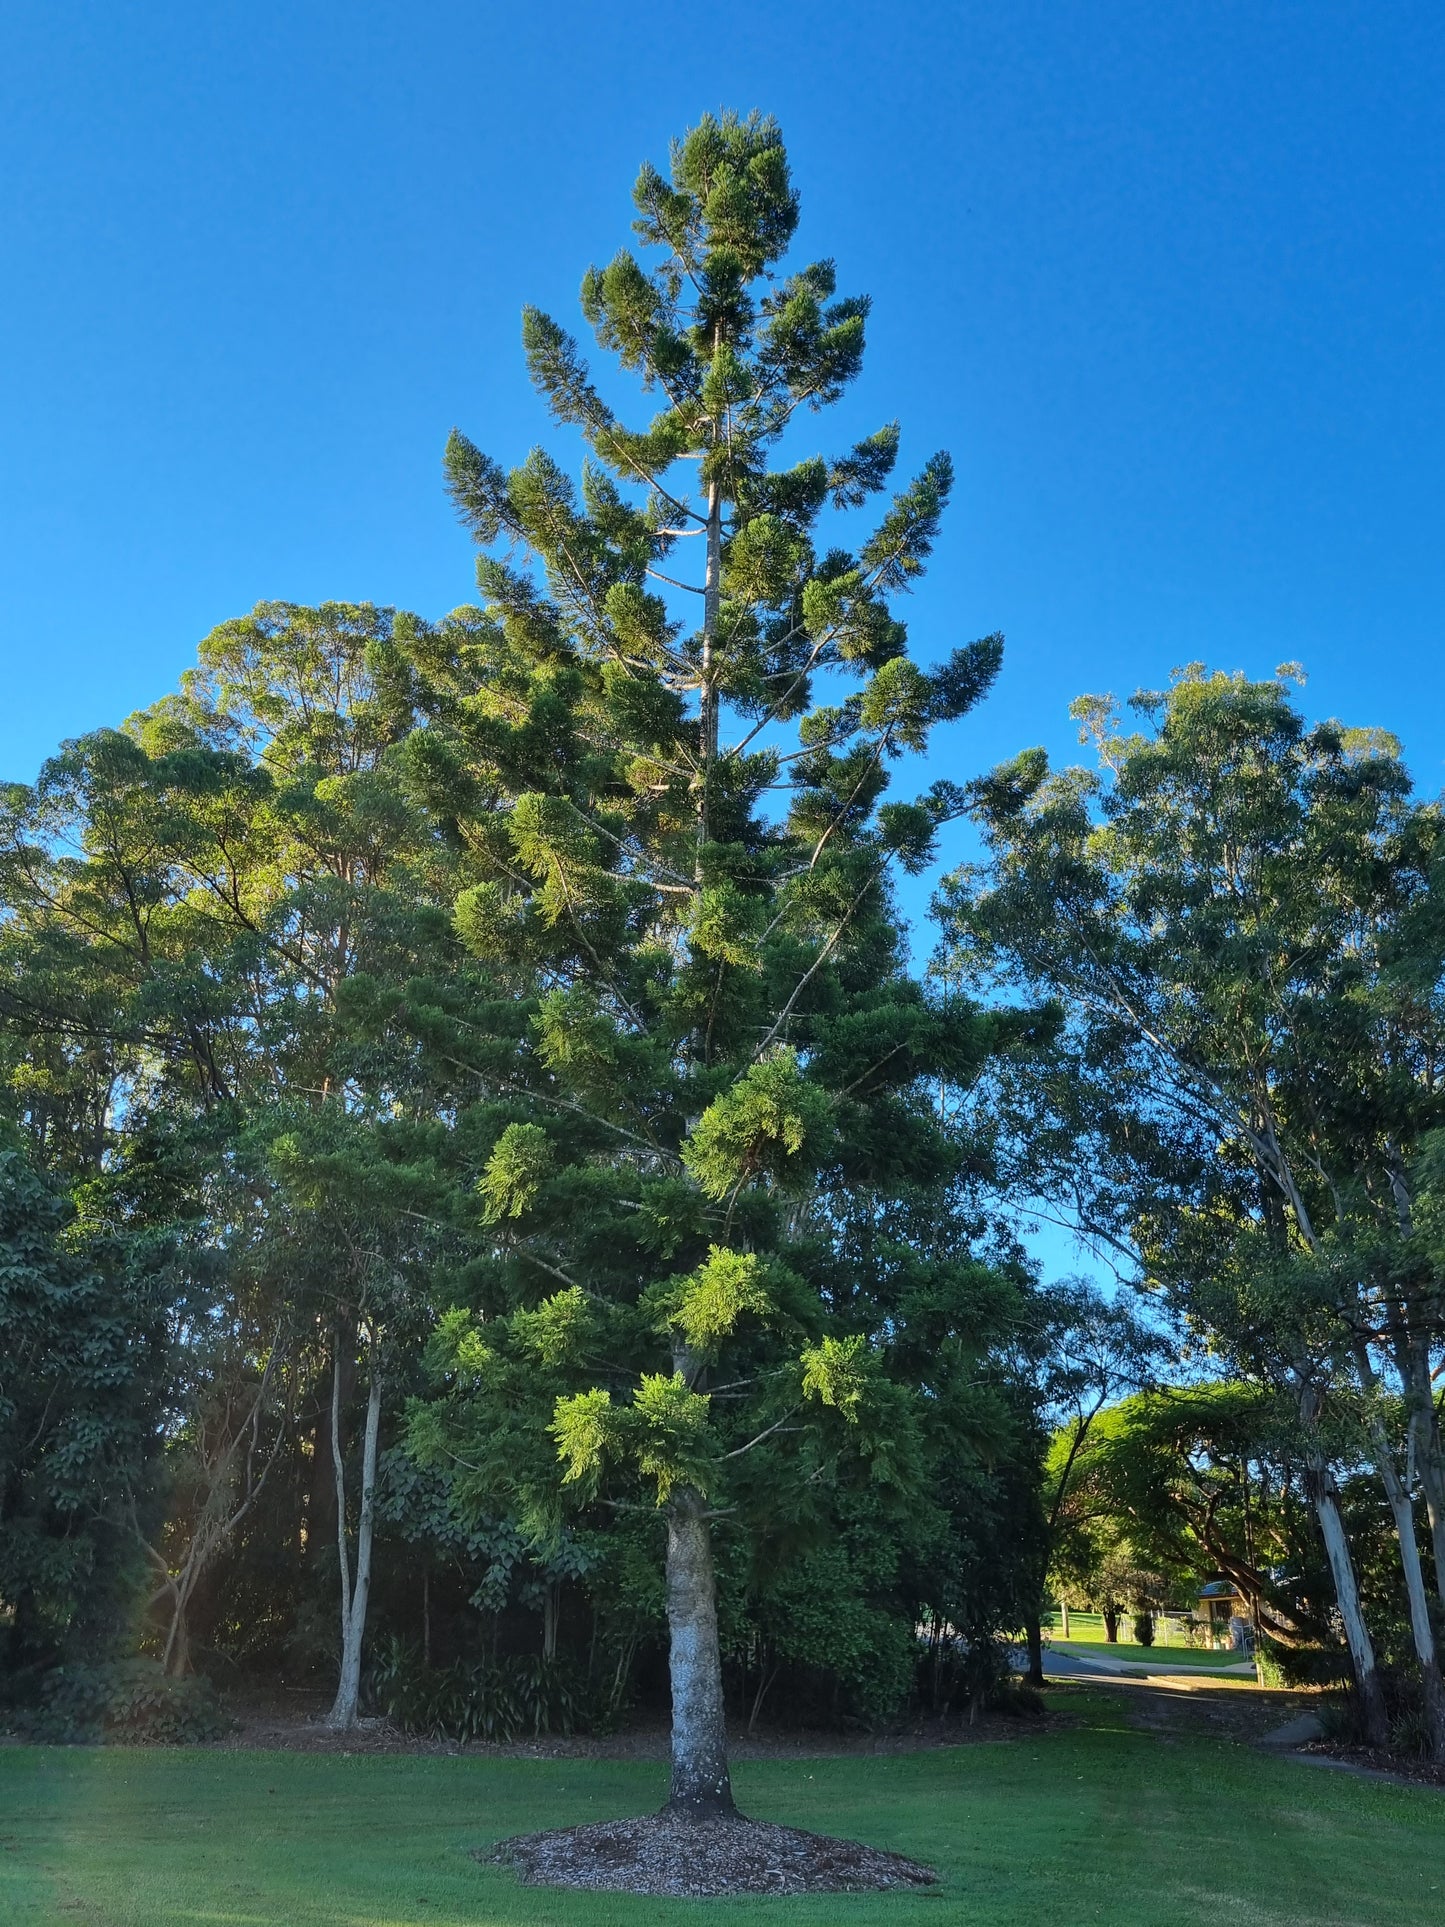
(1421, 1630)
(1325, 1499)
(354, 1596)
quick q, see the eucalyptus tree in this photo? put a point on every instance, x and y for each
(1195, 1479)
(1238, 913)
(664, 756)
(1088, 1352)
(190, 902)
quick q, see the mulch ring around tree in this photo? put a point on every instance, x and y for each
(663, 1853)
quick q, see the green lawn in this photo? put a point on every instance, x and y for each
(1177, 1658)
(1099, 1822)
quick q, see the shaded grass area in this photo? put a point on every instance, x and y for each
(1099, 1821)
(1182, 1659)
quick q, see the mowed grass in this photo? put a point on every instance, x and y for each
(1180, 1659)
(1097, 1823)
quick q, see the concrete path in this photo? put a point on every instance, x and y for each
(1297, 1732)
(1059, 1665)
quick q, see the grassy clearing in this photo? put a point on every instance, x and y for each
(1101, 1822)
(1181, 1659)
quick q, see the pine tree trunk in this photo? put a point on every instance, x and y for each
(1320, 1484)
(354, 1598)
(700, 1782)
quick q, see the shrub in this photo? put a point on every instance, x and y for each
(1273, 1668)
(1342, 1720)
(127, 1701)
(486, 1699)
(1143, 1627)
(1308, 1665)
(1410, 1732)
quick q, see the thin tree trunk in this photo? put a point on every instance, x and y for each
(1034, 1633)
(354, 1598)
(1320, 1484)
(176, 1661)
(1426, 1449)
(765, 1680)
(1423, 1633)
(1402, 1511)
(321, 1496)
(1432, 1481)
(708, 705)
(700, 1780)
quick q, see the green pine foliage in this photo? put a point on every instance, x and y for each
(663, 747)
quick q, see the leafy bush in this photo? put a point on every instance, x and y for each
(1342, 1719)
(1273, 1670)
(498, 1699)
(1410, 1732)
(1307, 1665)
(1143, 1627)
(127, 1701)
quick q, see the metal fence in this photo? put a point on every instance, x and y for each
(1170, 1629)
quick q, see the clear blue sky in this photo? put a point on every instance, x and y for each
(1166, 280)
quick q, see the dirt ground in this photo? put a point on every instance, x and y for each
(292, 1722)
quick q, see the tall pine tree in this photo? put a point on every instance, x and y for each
(663, 748)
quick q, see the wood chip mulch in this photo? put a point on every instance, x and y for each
(663, 1853)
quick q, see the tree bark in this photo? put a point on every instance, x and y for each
(1320, 1484)
(1421, 1630)
(700, 1781)
(354, 1598)
(176, 1660)
(1425, 1445)
(1111, 1625)
(1034, 1633)
(321, 1493)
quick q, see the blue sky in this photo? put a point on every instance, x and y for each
(1166, 281)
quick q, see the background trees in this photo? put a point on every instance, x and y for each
(1240, 915)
